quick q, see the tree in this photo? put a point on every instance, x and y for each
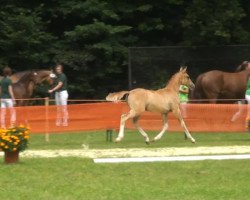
(91, 37)
(24, 41)
(214, 23)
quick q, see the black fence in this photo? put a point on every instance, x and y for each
(151, 67)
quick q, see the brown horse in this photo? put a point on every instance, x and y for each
(24, 88)
(214, 85)
(162, 101)
(16, 76)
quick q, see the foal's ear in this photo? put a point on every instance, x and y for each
(183, 69)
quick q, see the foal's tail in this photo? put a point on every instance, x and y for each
(116, 96)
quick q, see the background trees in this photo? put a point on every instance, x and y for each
(91, 37)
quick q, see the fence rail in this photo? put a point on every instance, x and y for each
(102, 115)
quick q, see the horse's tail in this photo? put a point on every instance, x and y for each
(116, 96)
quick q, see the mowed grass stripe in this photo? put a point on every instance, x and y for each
(171, 158)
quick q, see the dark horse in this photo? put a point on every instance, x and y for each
(215, 85)
(24, 87)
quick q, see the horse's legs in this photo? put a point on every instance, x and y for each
(124, 118)
(165, 127)
(177, 113)
(12, 116)
(239, 112)
(3, 113)
(144, 134)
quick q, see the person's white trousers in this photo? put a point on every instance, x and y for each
(7, 104)
(248, 106)
(62, 111)
(183, 107)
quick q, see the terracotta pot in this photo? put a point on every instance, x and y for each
(11, 157)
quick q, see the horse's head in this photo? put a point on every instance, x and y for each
(245, 65)
(45, 76)
(185, 79)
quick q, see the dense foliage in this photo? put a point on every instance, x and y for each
(91, 37)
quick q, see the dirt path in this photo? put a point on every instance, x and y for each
(137, 152)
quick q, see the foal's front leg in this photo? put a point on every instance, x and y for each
(177, 113)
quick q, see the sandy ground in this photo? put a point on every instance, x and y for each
(136, 152)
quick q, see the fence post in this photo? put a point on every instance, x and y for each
(47, 119)
(109, 135)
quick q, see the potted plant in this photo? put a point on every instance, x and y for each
(12, 141)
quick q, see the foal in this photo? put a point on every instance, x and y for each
(162, 101)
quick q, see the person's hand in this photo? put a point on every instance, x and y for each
(50, 91)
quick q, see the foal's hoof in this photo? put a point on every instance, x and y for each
(147, 142)
(117, 140)
(193, 141)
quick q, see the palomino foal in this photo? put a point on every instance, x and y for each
(162, 101)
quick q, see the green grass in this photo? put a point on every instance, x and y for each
(75, 178)
(81, 179)
(134, 140)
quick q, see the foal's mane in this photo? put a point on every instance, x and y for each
(173, 79)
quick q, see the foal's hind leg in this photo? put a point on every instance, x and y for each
(144, 134)
(124, 118)
(177, 113)
(165, 127)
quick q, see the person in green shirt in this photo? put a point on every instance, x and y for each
(183, 93)
(245, 65)
(7, 97)
(61, 96)
(247, 94)
(183, 96)
(247, 97)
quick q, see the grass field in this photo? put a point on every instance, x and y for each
(134, 140)
(77, 178)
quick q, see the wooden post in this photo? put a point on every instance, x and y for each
(109, 135)
(47, 119)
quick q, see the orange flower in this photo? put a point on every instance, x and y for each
(26, 137)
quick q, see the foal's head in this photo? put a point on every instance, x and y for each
(184, 78)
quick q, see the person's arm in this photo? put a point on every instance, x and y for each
(12, 94)
(184, 90)
(58, 86)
